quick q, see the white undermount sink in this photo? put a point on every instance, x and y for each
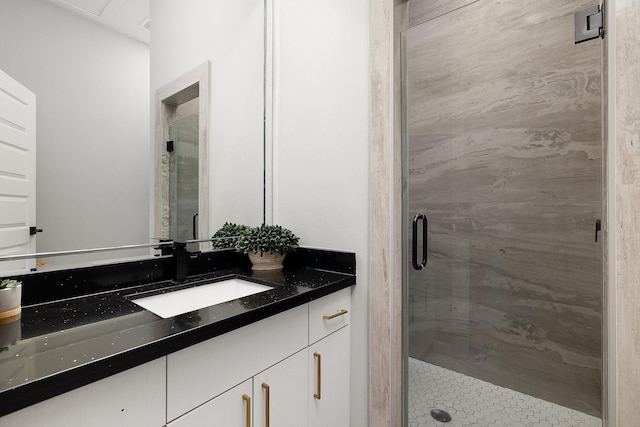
(183, 301)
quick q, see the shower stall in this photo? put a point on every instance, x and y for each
(183, 164)
(502, 152)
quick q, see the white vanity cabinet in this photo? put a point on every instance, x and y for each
(274, 397)
(203, 371)
(329, 402)
(329, 314)
(329, 360)
(231, 408)
(276, 363)
(280, 393)
(135, 397)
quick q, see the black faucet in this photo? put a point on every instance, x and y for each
(180, 257)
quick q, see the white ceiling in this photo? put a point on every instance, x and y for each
(129, 17)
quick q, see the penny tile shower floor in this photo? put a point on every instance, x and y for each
(472, 402)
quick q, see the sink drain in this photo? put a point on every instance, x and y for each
(440, 415)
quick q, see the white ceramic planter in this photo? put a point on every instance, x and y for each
(10, 331)
(10, 301)
(268, 261)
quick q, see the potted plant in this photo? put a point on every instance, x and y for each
(267, 246)
(10, 298)
(227, 235)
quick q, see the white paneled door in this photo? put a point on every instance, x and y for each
(17, 172)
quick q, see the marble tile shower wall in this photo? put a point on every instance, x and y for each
(184, 176)
(504, 125)
(179, 170)
(180, 173)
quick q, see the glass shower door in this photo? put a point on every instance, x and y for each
(502, 122)
(183, 178)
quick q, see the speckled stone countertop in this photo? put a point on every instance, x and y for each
(62, 344)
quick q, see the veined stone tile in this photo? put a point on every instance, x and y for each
(424, 10)
(504, 134)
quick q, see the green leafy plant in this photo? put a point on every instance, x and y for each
(267, 238)
(227, 235)
(9, 283)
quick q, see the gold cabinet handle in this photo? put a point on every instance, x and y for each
(318, 394)
(267, 417)
(247, 401)
(333, 316)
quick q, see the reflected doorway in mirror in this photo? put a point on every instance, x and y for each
(181, 209)
(17, 173)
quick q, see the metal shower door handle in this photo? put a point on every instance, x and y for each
(194, 226)
(414, 251)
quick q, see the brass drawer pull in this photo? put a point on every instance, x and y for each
(333, 316)
(265, 386)
(247, 401)
(317, 356)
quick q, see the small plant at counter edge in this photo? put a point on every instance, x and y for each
(227, 235)
(9, 283)
(267, 239)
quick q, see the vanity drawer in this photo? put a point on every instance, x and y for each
(203, 371)
(328, 314)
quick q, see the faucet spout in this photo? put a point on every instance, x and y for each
(180, 257)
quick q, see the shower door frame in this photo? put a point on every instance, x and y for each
(404, 168)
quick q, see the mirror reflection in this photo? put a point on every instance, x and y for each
(95, 88)
(182, 152)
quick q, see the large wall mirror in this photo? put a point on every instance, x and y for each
(95, 67)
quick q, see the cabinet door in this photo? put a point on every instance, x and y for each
(201, 372)
(135, 397)
(280, 393)
(329, 389)
(227, 410)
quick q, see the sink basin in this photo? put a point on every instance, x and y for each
(183, 301)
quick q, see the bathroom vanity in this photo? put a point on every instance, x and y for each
(94, 357)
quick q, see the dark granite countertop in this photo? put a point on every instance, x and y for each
(61, 344)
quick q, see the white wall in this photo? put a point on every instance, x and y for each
(92, 95)
(320, 124)
(230, 34)
(321, 145)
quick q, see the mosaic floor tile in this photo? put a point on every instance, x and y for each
(472, 402)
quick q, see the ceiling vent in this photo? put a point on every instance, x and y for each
(128, 17)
